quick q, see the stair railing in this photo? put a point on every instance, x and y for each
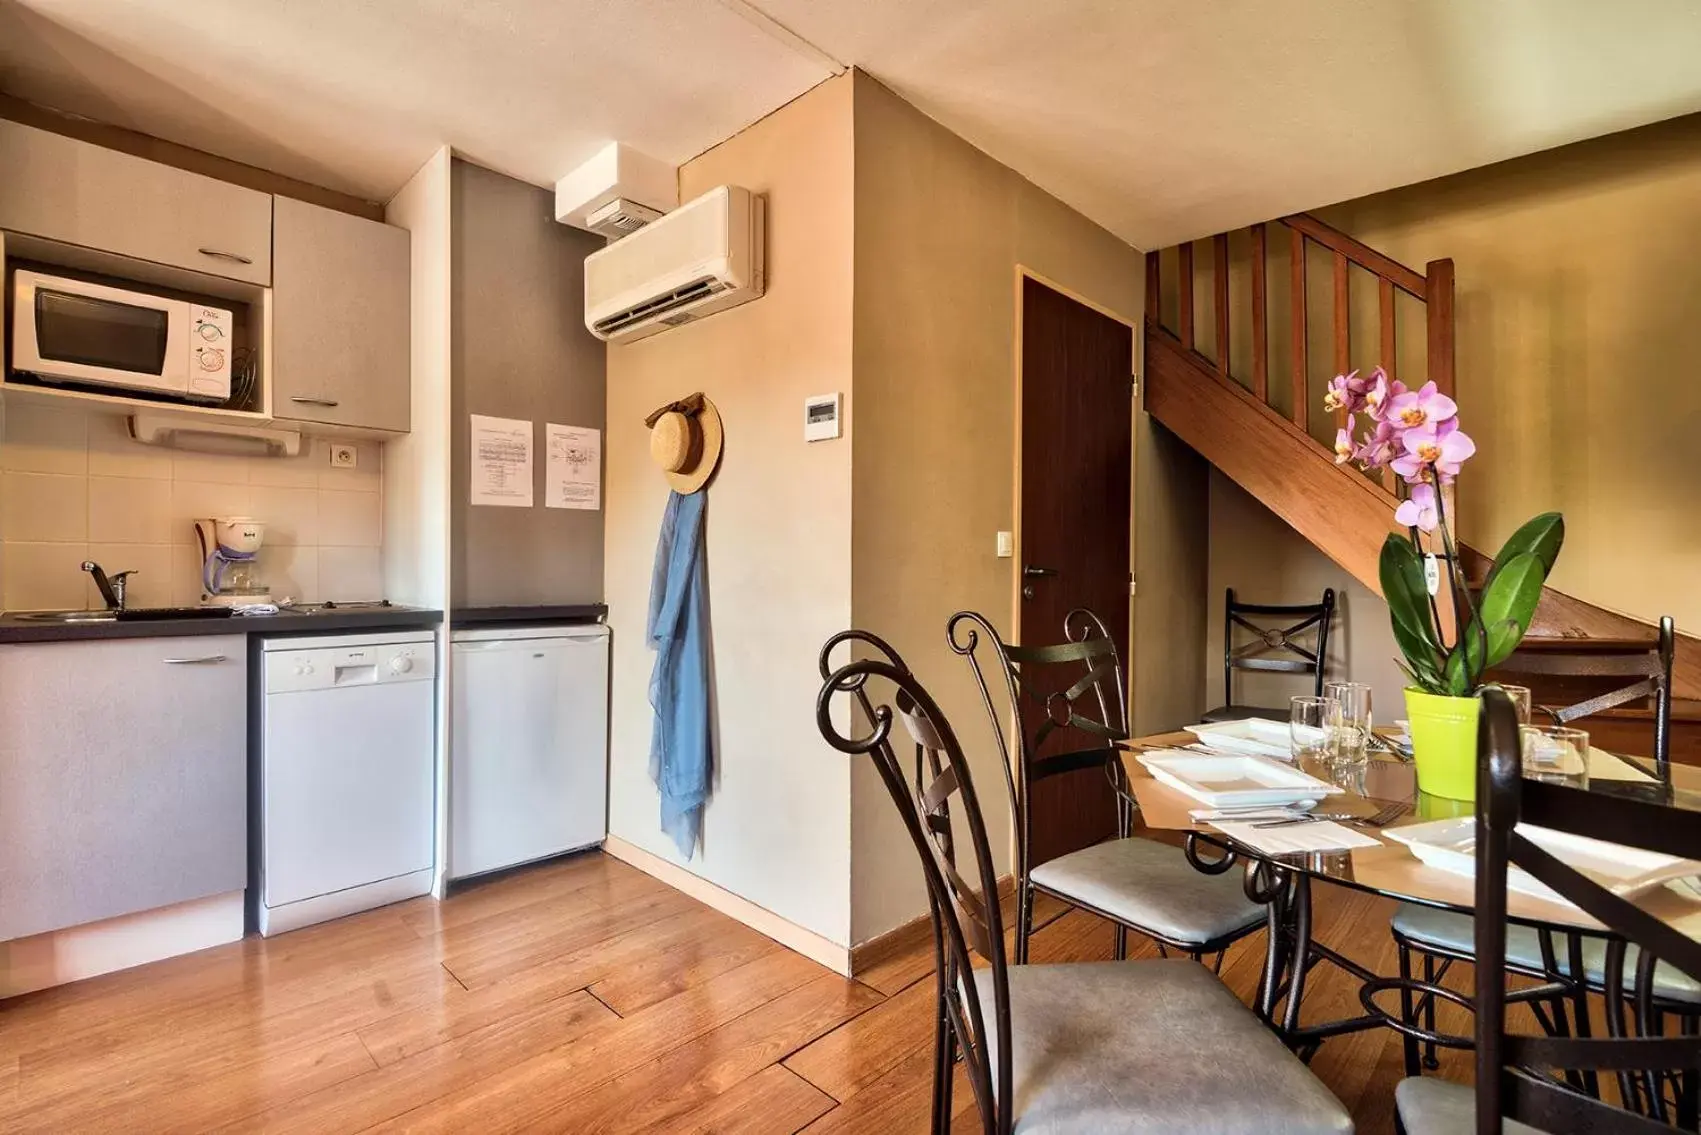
(1433, 287)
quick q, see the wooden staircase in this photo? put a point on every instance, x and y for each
(1258, 423)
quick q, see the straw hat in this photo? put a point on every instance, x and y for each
(685, 441)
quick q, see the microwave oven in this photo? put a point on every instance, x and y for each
(74, 331)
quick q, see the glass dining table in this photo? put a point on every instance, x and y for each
(1384, 789)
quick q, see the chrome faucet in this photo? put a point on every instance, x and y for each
(111, 588)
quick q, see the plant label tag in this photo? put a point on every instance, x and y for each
(1432, 573)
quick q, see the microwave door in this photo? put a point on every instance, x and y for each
(100, 333)
(80, 332)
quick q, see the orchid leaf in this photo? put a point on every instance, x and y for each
(1507, 605)
(1408, 602)
(1503, 638)
(1541, 536)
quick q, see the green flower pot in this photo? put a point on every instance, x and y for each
(1444, 743)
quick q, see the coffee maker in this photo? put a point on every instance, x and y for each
(230, 575)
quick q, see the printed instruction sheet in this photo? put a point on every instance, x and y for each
(501, 461)
(573, 467)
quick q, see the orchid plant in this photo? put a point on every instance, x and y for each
(1416, 433)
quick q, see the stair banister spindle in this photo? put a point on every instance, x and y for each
(1184, 293)
(1385, 324)
(1301, 401)
(1260, 333)
(1343, 325)
(1220, 282)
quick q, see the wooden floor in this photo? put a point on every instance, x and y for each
(581, 996)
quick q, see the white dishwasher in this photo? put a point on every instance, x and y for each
(346, 786)
(528, 754)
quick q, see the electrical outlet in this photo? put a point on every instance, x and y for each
(344, 456)
(1006, 545)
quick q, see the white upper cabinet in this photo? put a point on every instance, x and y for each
(67, 190)
(340, 319)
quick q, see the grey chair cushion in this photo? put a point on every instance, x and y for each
(1151, 886)
(1150, 1046)
(1242, 712)
(1455, 932)
(1437, 1107)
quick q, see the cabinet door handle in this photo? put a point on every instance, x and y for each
(204, 660)
(306, 401)
(221, 254)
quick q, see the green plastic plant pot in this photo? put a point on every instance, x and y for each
(1444, 743)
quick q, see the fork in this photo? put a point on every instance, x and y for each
(1386, 815)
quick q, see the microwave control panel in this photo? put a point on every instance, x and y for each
(209, 352)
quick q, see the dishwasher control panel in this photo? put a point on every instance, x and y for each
(364, 664)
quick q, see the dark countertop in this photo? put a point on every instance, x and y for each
(14, 629)
(540, 614)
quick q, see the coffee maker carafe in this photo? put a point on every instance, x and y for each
(230, 575)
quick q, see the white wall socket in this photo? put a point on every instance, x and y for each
(344, 456)
(1006, 545)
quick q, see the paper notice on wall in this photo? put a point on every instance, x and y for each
(573, 469)
(501, 461)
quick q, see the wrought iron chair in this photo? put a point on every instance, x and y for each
(1441, 938)
(1105, 1047)
(1658, 1076)
(1137, 884)
(1255, 654)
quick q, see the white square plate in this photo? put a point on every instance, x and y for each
(1625, 871)
(1233, 782)
(1254, 736)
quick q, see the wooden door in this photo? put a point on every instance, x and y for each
(1077, 446)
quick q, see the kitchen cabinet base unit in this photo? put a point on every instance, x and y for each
(61, 956)
(123, 768)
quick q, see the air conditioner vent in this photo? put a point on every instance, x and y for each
(703, 257)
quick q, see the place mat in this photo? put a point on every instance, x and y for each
(1604, 766)
(1295, 839)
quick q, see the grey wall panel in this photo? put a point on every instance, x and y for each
(519, 349)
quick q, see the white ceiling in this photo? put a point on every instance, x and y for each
(1160, 119)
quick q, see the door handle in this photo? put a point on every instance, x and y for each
(1029, 571)
(306, 401)
(220, 254)
(204, 660)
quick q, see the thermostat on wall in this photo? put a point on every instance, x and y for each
(822, 417)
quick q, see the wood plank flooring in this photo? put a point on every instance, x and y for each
(579, 996)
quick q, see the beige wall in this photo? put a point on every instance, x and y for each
(74, 486)
(1255, 552)
(940, 232)
(1577, 338)
(777, 831)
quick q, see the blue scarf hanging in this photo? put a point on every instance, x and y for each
(681, 750)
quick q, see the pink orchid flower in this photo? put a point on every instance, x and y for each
(1346, 392)
(1424, 408)
(1445, 446)
(1381, 391)
(1344, 449)
(1419, 511)
(1378, 447)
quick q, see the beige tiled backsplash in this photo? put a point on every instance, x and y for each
(74, 486)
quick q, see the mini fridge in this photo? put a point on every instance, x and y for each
(528, 758)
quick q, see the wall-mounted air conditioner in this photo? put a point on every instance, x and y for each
(704, 257)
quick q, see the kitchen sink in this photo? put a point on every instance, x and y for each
(67, 616)
(127, 615)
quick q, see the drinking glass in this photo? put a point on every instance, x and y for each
(1309, 721)
(1555, 754)
(1352, 721)
(1520, 696)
